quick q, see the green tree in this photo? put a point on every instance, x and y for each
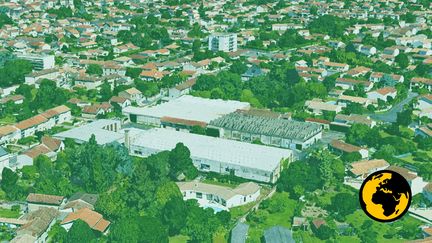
(404, 117)
(14, 71)
(402, 60)
(174, 214)
(94, 69)
(105, 92)
(136, 229)
(80, 232)
(343, 204)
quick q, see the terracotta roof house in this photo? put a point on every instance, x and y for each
(361, 169)
(416, 182)
(36, 201)
(94, 220)
(39, 222)
(342, 147)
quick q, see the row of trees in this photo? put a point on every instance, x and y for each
(282, 87)
(138, 195)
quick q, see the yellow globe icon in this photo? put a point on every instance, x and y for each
(385, 196)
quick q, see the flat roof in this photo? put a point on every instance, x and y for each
(83, 133)
(267, 126)
(190, 108)
(217, 149)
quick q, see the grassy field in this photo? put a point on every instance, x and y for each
(282, 218)
(178, 239)
(6, 213)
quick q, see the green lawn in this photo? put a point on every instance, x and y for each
(6, 213)
(178, 239)
(358, 217)
(282, 218)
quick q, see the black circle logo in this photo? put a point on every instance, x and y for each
(385, 196)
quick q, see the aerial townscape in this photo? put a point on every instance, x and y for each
(175, 121)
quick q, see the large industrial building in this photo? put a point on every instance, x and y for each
(275, 131)
(184, 112)
(210, 154)
(106, 131)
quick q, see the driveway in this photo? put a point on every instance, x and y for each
(391, 115)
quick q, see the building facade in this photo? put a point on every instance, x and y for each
(226, 42)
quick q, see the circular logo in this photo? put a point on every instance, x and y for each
(385, 196)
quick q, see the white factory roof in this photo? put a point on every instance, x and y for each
(83, 133)
(190, 108)
(217, 149)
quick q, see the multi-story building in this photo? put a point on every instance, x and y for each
(226, 42)
(39, 61)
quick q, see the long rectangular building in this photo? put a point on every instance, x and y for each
(183, 112)
(273, 131)
(210, 154)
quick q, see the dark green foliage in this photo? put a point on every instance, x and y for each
(105, 92)
(62, 12)
(139, 229)
(330, 25)
(80, 232)
(49, 95)
(133, 72)
(9, 184)
(343, 204)
(94, 69)
(4, 20)
(174, 214)
(13, 72)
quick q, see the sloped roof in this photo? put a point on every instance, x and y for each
(278, 234)
(93, 219)
(44, 199)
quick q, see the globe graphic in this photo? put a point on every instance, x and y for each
(385, 196)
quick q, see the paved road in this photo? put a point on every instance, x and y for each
(391, 115)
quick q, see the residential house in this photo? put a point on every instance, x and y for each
(89, 82)
(51, 74)
(348, 83)
(424, 102)
(317, 107)
(348, 120)
(132, 94)
(383, 94)
(424, 131)
(80, 200)
(92, 111)
(389, 79)
(421, 83)
(78, 102)
(57, 115)
(393, 51)
(32, 125)
(333, 67)
(94, 220)
(37, 201)
(346, 99)
(427, 191)
(181, 89)
(252, 72)
(120, 101)
(416, 182)
(220, 196)
(152, 75)
(346, 148)
(49, 147)
(9, 133)
(16, 99)
(36, 226)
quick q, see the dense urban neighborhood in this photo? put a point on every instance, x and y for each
(179, 121)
